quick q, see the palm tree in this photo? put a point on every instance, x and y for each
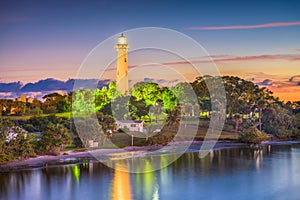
(238, 120)
(158, 108)
(149, 131)
(108, 125)
(174, 116)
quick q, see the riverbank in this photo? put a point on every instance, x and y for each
(77, 157)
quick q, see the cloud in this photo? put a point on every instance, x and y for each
(294, 49)
(266, 82)
(294, 78)
(227, 58)
(46, 86)
(288, 57)
(10, 87)
(223, 59)
(267, 25)
(161, 81)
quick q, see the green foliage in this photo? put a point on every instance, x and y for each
(138, 108)
(17, 147)
(98, 130)
(120, 107)
(163, 137)
(53, 140)
(21, 146)
(296, 133)
(107, 122)
(83, 101)
(238, 120)
(169, 98)
(174, 115)
(56, 103)
(279, 121)
(148, 101)
(253, 135)
(149, 92)
(87, 129)
(108, 125)
(101, 98)
(77, 142)
(41, 123)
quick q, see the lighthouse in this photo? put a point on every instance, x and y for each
(122, 65)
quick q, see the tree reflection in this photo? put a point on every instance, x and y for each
(15, 180)
(89, 179)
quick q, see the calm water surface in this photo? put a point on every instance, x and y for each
(240, 173)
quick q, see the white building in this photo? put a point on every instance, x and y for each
(131, 125)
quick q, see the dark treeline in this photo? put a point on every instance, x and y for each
(52, 103)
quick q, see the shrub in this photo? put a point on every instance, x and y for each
(253, 135)
(296, 133)
(283, 133)
(77, 142)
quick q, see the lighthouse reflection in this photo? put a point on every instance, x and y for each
(121, 187)
(144, 184)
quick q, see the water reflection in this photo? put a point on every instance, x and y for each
(268, 172)
(121, 186)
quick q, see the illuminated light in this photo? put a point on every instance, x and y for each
(121, 186)
(76, 172)
(122, 40)
(149, 180)
(164, 170)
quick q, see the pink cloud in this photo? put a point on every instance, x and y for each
(224, 59)
(288, 57)
(274, 24)
(227, 58)
(220, 59)
(294, 49)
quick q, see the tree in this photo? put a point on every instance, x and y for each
(184, 93)
(5, 152)
(101, 98)
(261, 104)
(279, 121)
(56, 103)
(17, 147)
(108, 125)
(120, 107)
(138, 108)
(21, 145)
(87, 129)
(238, 120)
(149, 92)
(112, 91)
(157, 109)
(253, 135)
(174, 116)
(83, 101)
(54, 139)
(149, 131)
(188, 109)
(168, 98)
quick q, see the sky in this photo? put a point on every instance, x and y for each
(256, 40)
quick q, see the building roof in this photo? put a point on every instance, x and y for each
(130, 121)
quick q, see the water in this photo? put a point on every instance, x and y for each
(239, 173)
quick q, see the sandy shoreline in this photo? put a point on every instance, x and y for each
(77, 157)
